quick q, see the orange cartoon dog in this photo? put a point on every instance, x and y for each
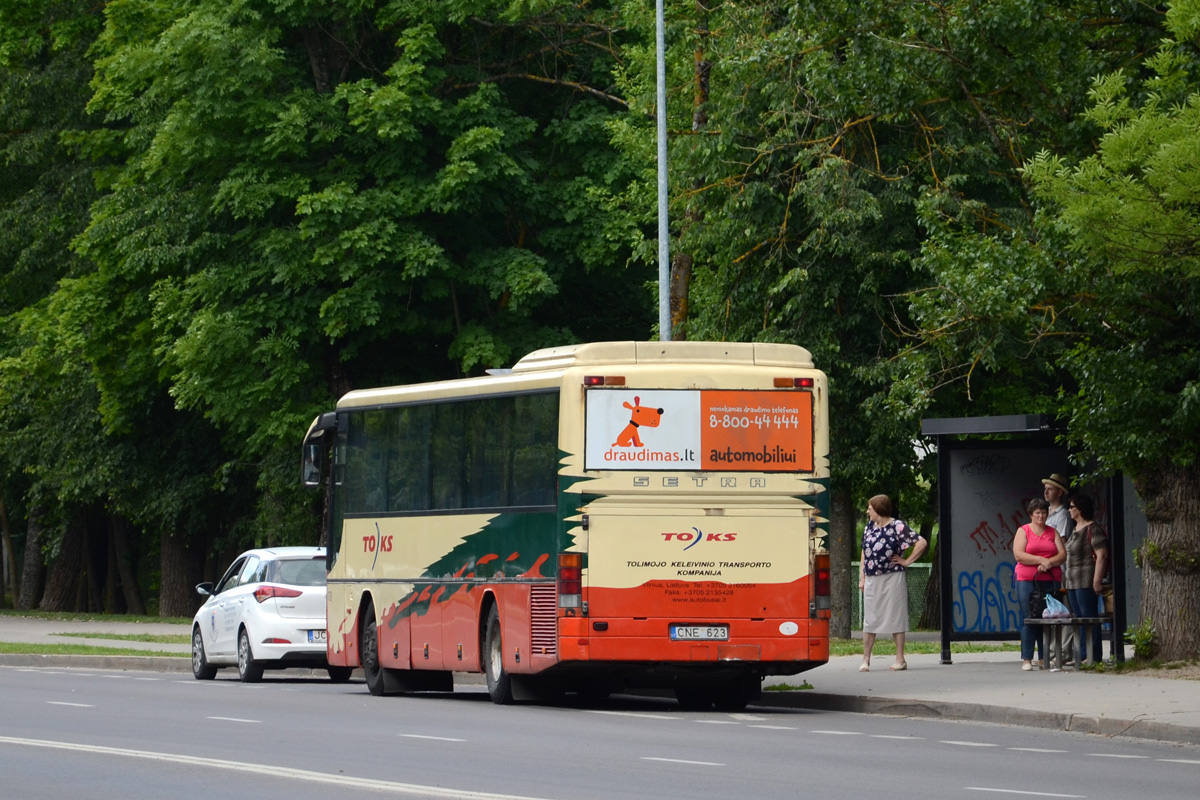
(641, 415)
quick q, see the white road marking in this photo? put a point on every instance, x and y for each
(340, 781)
(1113, 755)
(434, 738)
(235, 719)
(682, 761)
(718, 722)
(772, 727)
(1178, 760)
(1018, 791)
(747, 717)
(1037, 750)
(628, 714)
(73, 705)
(886, 736)
(969, 744)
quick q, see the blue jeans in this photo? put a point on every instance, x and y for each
(1032, 633)
(1086, 603)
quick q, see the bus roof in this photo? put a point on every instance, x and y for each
(580, 355)
(541, 368)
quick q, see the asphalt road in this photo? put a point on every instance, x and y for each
(141, 735)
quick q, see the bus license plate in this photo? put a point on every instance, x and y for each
(699, 632)
(316, 636)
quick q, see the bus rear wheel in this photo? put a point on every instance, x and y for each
(499, 682)
(694, 698)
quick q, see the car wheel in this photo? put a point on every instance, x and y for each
(249, 670)
(200, 666)
(498, 681)
(368, 653)
(339, 674)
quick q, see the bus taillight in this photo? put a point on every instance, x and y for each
(603, 380)
(570, 580)
(794, 383)
(821, 574)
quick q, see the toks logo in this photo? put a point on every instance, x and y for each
(379, 543)
(695, 537)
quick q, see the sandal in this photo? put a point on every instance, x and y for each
(865, 667)
(903, 665)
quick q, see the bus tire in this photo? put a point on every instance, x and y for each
(499, 682)
(738, 693)
(368, 653)
(339, 674)
(694, 698)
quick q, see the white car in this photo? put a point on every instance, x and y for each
(267, 612)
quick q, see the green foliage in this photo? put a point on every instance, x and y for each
(1143, 638)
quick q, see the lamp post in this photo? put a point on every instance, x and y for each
(664, 255)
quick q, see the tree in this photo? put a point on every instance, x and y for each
(842, 139)
(308, 191)
(1128, 219)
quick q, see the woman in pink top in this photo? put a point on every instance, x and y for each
(1039, 551)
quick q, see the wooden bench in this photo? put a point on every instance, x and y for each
(1054, 627)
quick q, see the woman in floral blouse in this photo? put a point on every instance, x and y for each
(882, 580)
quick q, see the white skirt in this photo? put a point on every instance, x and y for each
(885, 603)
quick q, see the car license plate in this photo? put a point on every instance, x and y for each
(316, 636)
(699, 632)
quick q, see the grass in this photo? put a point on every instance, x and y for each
(82, 650)
(69, 616)
(98, 650)
(884, 646)
(167, 638)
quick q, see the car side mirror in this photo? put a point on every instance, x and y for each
(204, 589)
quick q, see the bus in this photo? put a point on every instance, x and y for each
(602, 516)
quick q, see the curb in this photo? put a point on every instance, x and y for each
(141, 663)
(978, 712)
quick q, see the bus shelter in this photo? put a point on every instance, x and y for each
(989, 468)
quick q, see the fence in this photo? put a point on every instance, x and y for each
(918, 576)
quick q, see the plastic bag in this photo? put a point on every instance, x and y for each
(1054, 609)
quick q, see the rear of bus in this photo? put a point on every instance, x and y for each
(694, 497)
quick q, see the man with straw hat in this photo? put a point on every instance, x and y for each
(1055, 489)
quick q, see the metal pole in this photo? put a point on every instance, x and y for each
(664, 255)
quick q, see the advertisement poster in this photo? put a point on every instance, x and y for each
(705, 429)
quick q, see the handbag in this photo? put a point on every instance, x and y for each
(1037, 600)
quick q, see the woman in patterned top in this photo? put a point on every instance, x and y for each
(881, 578)
(1087, 564)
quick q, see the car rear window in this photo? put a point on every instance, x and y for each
(300, 572)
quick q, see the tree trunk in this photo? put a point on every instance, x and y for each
(126, 571)
(96, 543)
(176, 596)
(10, 557)
(34, 569)
(1170, 560)
(62, 579)
(931, 614)
(843, 581)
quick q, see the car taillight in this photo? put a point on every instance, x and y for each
(821, 570)
(570, 580)
(266, 591)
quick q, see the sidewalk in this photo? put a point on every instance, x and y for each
(978, 687)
